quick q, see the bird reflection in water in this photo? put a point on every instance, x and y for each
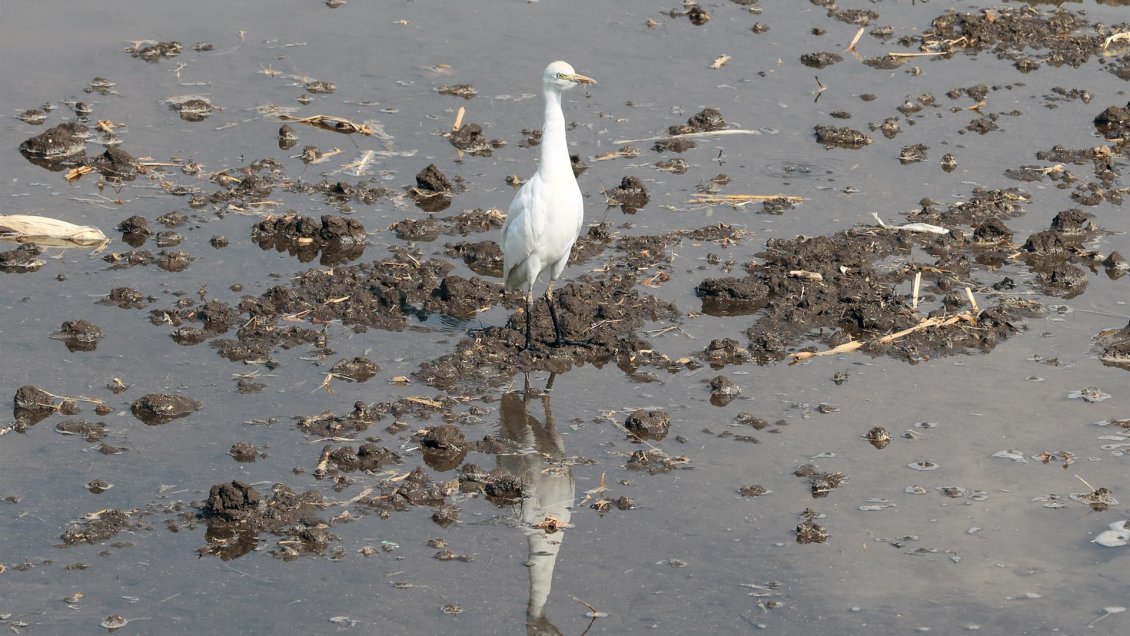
(548, 492)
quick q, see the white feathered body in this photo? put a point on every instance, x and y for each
(547, 214)
(541, 226)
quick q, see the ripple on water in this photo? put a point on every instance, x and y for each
(791, 169)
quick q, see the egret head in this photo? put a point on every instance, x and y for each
(561, 76)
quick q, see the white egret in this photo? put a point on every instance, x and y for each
(547, 214)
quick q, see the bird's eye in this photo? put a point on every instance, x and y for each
(560, 76)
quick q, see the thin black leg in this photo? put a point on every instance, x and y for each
(529, 318)
(559, 338)
(558, 334)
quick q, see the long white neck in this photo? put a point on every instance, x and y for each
(554, 149)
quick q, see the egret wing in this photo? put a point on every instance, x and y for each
(522, 232)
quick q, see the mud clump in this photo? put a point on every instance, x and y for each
(851, 300)
(1116, 264)
(432, 179)
(697, 15)
(1049, 253)
(606, 313)
(195, 109)
(243, 452)
(1062, 279)
(982, 205)
(425, 230)
(234, 501)
(820, 484)
(97, 527)
(172, 219)
(706, 120)
(154, 51)
(723, 390)
(463, 298)
(470, 138)
(443, 437)
(675, 166)
(156, 408)
(344, 459)
(484, 258)
(433, 189)
(217, 317)
(328, 424)
(466, 91)
(653, 424)
(115, 163)
(25, 258)
(913, 154)
(444, 447)
(654, 461)
(1073, 222)
(674, 145)
(418, 489)
(820, 60)
(1009, 32)
(136, 228)
(731, 295)
(375, 457)
(475, 220)
(33, 399)
(777, 205)
(90, 431)
(629, 196)
(992, 231)
(358, 369)
(878, 437)
(724, 351)
(808, 531)
(1114, 122)
(499, 486)
(848, 138)
(237, 514)
(1115, 344)
(57, 148)
(32, 117)
(288, 138)
(79, 335)
(173, 261)
(338, 239)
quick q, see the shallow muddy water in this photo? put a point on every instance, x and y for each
(657, 535)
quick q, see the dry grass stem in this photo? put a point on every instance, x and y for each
(458, 123)
(922, 54)
(739, 200)
(331, 123)
(972, 301)
(937, 321)
(917, 286)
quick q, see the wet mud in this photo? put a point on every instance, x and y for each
(353, 358)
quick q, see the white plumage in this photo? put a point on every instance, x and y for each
(547, 214)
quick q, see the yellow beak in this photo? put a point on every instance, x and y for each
(580, 79)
